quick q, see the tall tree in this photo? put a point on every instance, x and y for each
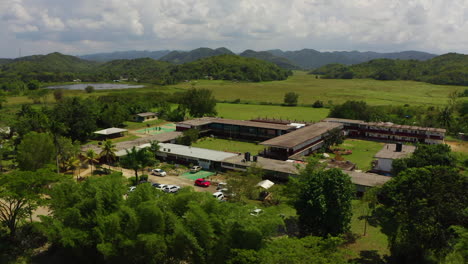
(154, 148)
(20, 193)
(91, 157)
(426, 155)
(137, 159)
(108, 151)
(419, 206)
(35, 151)
(199, 102)
(322, 199)
(291, 98)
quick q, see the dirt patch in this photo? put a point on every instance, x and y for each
(458, 146)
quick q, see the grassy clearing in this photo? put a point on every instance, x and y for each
(228, 145)
(311, 89)
(130, 125)
(363, 151)
(246, 112)
(374, 239)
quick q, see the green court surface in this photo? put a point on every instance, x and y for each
(158, 129)
(197, 175)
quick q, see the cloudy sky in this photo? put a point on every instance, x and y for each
(88, 26)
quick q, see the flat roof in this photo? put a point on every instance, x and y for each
(343, 120)
(110, 131)
(146, 114)
(266, 164)
(208, 120)
(389, 151)
(192, 152)
(301, 135)
(392, 125)
(367, 179)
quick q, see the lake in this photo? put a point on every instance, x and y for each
(97, 86)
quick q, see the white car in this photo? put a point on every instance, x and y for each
(132, 188)
(171, 188)
(195, 169)
(256, 212)
(218, 195)
(158, 172)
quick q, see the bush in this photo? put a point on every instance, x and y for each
(317, 104)
(89, 89)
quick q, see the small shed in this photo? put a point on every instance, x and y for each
(266, 184)
(112, 132)
(143, 117)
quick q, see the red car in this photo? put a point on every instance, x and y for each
(202, 182)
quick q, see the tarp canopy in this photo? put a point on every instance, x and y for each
(266, 184)
(110, 131)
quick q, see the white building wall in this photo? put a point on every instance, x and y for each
(384, 165)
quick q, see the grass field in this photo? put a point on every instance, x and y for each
(373, 240)
(311, 89)
(228, 145)
(247, 111)
(363, 152)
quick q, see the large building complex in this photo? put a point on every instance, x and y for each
(387, 131)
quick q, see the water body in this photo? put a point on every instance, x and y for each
(97, 86)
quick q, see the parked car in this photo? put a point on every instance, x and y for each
(159, 186)
(132, 188)
(158, 172)
(195, 169)
(256, 212)
(202, 182)
(218, 195)
(171, 188)
(221, 185)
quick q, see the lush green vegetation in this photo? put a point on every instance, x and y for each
(450, 68)
(228, 145)
(20, 74)
(363, 152)
(249, 111)
(310, 89)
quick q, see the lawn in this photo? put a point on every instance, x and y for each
(311, 89)
(363, 152)
(130, 125)
(228, 145)
(374, 240)
(247, 112)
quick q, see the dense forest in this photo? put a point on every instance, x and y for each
(56, 67)
(449, 68)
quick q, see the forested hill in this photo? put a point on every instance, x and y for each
(266, 56)
(310, 59)
(125, 55)
(56, 67)
(230, 67)
(180, 57)
(451, 68)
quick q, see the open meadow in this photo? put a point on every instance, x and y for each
(247, 112)
(310, 89)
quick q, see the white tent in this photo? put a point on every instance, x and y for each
(266, 184)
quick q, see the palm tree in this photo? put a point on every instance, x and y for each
(91, 157)
(108, 151)
(71, 164)
(137, 159)
(154, 147)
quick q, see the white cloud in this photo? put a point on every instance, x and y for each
(85, 26)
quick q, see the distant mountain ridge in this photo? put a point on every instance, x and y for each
(300, 59)
(310, 58)
(180, 57)
(125, 55)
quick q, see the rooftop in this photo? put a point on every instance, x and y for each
(392, 125)
(146, 114)
(367, 179)
(110, 131)
(266, 164)
(208, 120)
(301, 135)
(342, 120)
(192, 152)
(389, 152)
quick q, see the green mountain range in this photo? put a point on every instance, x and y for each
(451, 68)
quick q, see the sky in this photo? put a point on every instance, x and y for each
(89, 26)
